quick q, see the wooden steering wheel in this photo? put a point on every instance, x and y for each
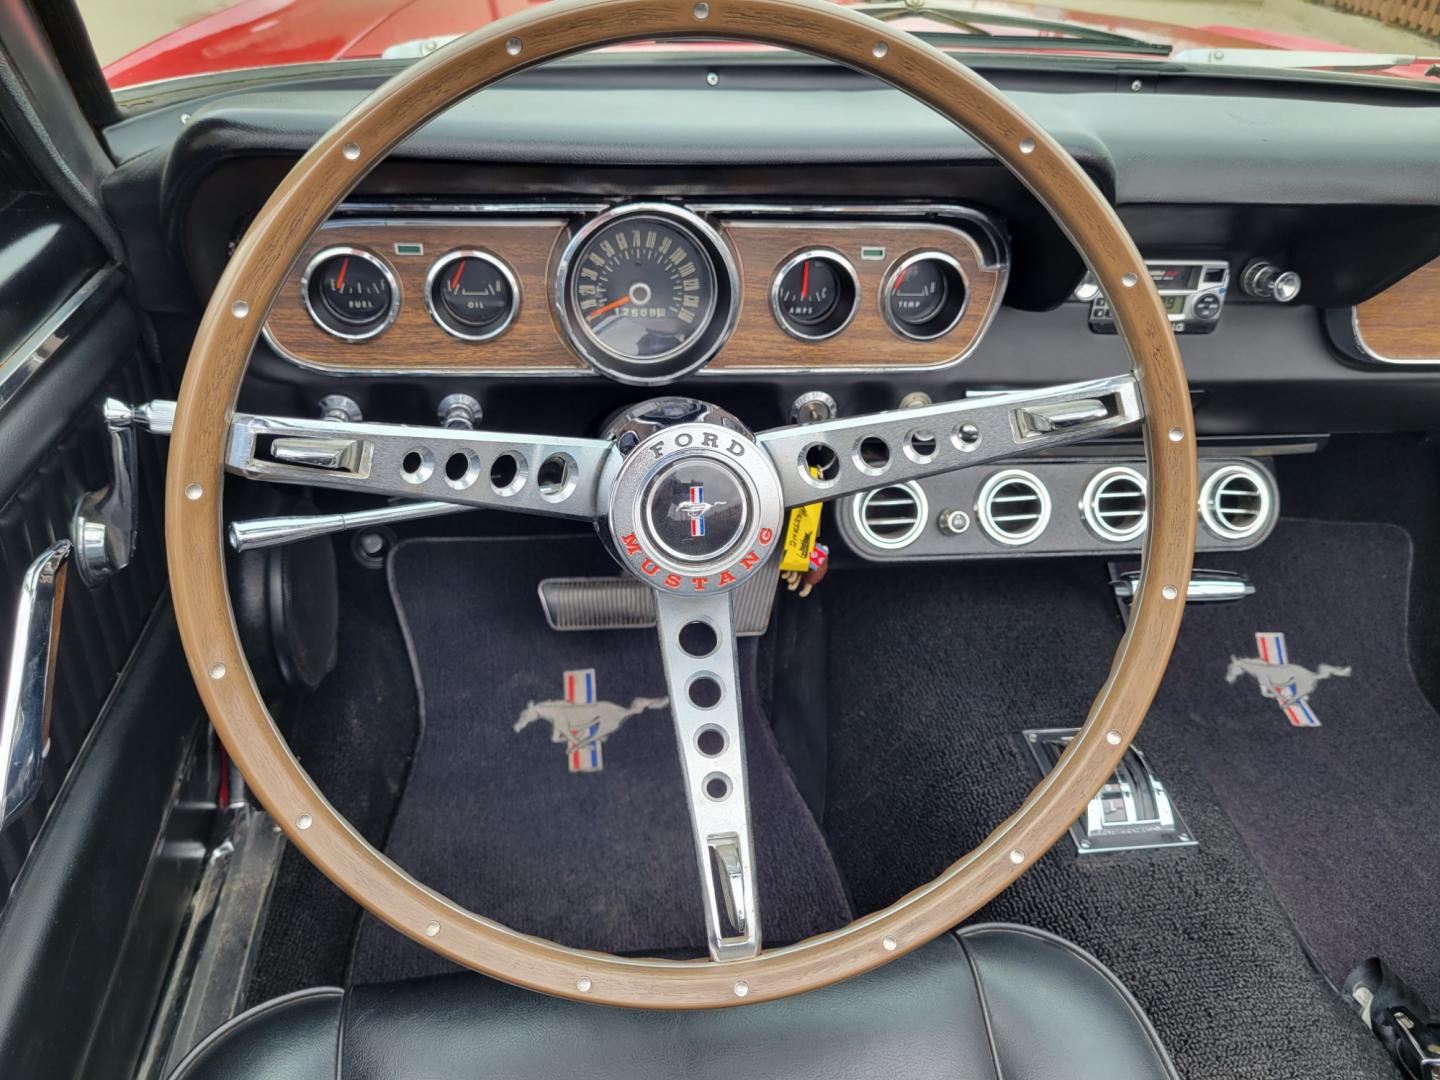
(615, 481)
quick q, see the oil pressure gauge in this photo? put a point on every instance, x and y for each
(472, 295)
(350, 293)
(814, 294)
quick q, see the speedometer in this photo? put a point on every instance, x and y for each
(647, 291)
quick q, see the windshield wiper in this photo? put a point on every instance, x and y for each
(1299, 60)
(969, 23)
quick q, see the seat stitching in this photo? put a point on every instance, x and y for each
(984, 1008)
(1152, 1037)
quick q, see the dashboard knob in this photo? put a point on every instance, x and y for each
(813, 407)
(1266, 281)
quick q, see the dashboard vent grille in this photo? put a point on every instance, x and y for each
(892, 516)
(1114, 504)
(1013, 507)
(1235, 502)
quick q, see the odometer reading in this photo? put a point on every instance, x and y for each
(643, 288)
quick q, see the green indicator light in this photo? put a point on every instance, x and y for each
(872, 253)
(409, 249)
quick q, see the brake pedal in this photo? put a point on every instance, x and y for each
(627, 603)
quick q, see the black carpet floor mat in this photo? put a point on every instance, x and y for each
(495, 819)
(1342, 815)
(925, 758)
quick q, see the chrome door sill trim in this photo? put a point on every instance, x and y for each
(51, 336)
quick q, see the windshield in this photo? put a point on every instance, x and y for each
(142, 41)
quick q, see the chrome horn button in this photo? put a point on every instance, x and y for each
(691, 501)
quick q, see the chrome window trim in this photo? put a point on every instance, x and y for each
(52, 335)
(499, 264)
(789, 264)
(379, 212)
(1378, 357)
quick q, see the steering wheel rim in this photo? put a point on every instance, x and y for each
(231, 326)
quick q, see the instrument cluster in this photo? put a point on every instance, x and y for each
(643, 292)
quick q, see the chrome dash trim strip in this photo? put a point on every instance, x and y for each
(21, 365)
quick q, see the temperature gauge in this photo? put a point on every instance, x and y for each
(350, 293)
(924, 295)
(814, 294)
(472, 295)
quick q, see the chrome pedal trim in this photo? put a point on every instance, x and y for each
(1134, 811)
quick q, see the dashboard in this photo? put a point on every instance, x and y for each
(643, 292)
(791, 240)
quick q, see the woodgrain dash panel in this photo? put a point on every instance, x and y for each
(415, 343)
(759, 343)
(535, 341)
(1403, 322)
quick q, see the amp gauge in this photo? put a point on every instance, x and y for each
(923, 295)
(814, 294)
(350, 293)
(472, 295)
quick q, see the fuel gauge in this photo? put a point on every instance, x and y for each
(814, 294)
(350, 293)
(472, 295)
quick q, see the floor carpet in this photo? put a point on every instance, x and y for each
(1342, 816)
(495, 819)
(924, 758)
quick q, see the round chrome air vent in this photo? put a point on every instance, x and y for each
(891, 517)
(1113, 505)
(1013, 507)
(1235, 502)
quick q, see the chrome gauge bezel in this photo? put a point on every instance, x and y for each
(830, 255)
(374, 260)
(438, 314)
(719, 319)
(899, 267)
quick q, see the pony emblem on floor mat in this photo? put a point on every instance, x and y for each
(1289, 684)
(582, 723)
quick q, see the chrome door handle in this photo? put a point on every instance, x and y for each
(105, 522)
(25, 719)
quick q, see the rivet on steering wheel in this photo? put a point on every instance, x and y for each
(240, 309)
(351, 151)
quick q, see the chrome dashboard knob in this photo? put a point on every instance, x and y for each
(1266, 281)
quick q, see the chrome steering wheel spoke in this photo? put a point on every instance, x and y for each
(861, 452)
(527, 473)
(698, 646)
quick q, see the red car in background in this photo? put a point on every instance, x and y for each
(261, 33)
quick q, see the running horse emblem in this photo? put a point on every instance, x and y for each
(1289, 685)
(694, 509)
(582, 723)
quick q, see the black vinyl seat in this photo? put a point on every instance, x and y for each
(989, 1002)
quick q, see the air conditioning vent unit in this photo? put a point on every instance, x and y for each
(1235, 502)
(1113, 505)
(893, 516)
(1013, 507)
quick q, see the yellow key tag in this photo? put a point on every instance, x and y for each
(800, 533)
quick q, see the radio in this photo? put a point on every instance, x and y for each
(1193, 293)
